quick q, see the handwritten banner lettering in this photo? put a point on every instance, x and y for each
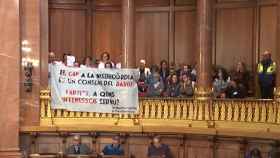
(94, 90)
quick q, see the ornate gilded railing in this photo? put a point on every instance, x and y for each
(251, 111)
(246, 117)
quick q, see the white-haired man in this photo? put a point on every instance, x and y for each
(78, 148)
(144, 71)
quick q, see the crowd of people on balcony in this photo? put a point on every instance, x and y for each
(168, 80)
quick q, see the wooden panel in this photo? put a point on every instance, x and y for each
(174, 145)
(198, 149)
(138, 146)
(152, 37)
(263, 147)
(185, 2)
(68, 1)
(234, 37)
(107, 34)
(185, 32)
(228, 150)
(152, 3)
(268, 22)
(67, 32)
(235, 0)
(108, 2)
(235, 4)
(267, 2)
(48, 144)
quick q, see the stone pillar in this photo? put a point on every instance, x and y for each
(128, 31)
(277, 56)
(204, 45)
(204, 59)
(10, 78)
(34, 31)
(44, 42)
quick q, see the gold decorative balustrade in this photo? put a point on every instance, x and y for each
(246, 117)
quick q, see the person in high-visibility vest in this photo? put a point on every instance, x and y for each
(266, 73)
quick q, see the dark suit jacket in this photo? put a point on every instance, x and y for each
(163, 150)
(81, 149)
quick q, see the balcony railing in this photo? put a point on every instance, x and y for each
(246, 117)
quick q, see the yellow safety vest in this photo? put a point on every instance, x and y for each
(270, 70)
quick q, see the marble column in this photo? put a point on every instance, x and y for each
(277, 56)
(204, 47)
(44, 42)
(34, 33)
(10, 78)
(203, 91)
(128, 31)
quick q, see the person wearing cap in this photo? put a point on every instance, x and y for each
(266, 73)
(144, 71)
(113, 149)
(78, 148)
(158, 149)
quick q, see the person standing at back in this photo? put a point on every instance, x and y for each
(266, 73)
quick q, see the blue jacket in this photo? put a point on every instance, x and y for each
(113, 150)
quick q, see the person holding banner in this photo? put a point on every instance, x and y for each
(88, 63)
(51, 59)
(69, 60)
(108, 65)
(76, 64)
(94, 90)
(64, 58)
(105, 57)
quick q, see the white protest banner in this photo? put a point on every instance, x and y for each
(94, 90)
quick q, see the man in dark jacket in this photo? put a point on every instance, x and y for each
(266, 72)
(158, 149)
(113, 149)
(78, 148)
